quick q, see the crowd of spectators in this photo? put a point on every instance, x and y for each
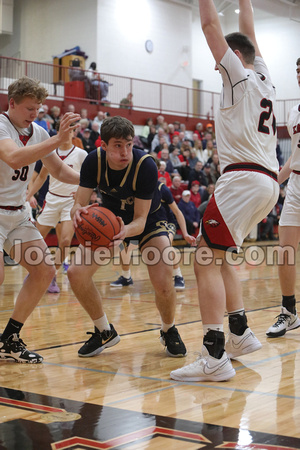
(187, 160)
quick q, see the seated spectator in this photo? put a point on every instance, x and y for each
(207, 178)
(70, 108)
(84, 115)
(207, 192)
(192, 159)
(205, 197)
(210, 129)
(199, 130)
(266, 226)
(197, 174)
(159, 122)
(40, 119)
(94, 133)
(215, 168)
(201, 154)
(126, 102)
(93, 85)
(176, 162)
(190, 212)
(157, 139)
(165, 156)
(88, 144)
(177, 188)
(55, 116)
(195, 193)
(83, 124)
(47, 117)
(162, 144)
(210, 148)
(151, 136)
(75, 71)
(146, 129)
(162, 172)
(174, 142)
(99, 119)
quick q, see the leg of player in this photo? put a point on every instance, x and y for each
(64, 241)
(288, 319)
(241, 339)
(125, 279)
(160, 274)
(44, 230)
(40, 272)
(179, 283)
(213, 363)
(80, 274)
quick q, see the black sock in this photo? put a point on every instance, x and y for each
(289, 302)
(238, 323)
(12, 327)
(214, 341)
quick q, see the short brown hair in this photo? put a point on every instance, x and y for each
(241, 42)
(298, 62)
(116, 127)
(27, 87)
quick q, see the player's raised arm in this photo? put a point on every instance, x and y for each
(246, 23)
(212, 29)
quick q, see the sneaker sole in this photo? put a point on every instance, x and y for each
(99, 350)
(179, 355)
(250, 349)
(295, 325)
(222, 377)
(21, 361)
(179, 288)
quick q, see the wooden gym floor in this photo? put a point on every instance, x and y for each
(124, 397)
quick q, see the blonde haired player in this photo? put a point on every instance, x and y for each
(22, 142)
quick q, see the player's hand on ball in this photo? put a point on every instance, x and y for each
(119, 238)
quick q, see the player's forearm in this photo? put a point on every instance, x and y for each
(136, 227)
(285, 171)
(67, 175)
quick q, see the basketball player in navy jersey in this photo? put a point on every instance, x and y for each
(127, 179)
(22, 143)
(245, 193)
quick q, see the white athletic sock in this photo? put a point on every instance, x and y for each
(237, 311)
(214, 326)
(166, 326)
(102, 323)
(177, 272)
(126, 274)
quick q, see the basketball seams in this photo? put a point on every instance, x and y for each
(94, 225)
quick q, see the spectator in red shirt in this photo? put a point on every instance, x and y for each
(177, 188)
(195, 193)
(163, 173)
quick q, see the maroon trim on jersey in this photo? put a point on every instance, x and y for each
(250, 167)
(297, 172)
(11, 208)
(214, 228)
(23, 137)
(62, 157)
(62, 196)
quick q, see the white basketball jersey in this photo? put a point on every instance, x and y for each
(74, 158)
(293, 127)
(13, 183)
(245, 122)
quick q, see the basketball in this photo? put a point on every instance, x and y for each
(98, 227)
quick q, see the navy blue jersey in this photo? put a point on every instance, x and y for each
(119, 188)
(166, 200)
